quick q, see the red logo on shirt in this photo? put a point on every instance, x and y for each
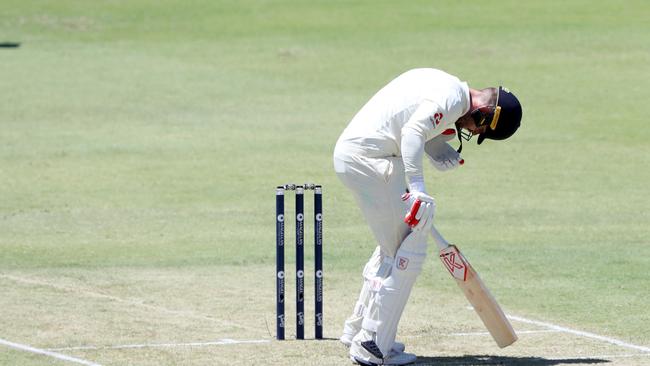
(436, 119)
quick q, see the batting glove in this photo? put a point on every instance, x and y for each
(421, 212)
(442, 156)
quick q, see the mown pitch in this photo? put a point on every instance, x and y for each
(141, 141)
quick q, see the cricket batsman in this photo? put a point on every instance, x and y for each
(379, 157)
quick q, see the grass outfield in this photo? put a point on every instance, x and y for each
(141, 141)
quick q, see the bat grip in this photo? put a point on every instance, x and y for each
(442, 243)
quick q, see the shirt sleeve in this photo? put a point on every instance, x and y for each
(423, 125)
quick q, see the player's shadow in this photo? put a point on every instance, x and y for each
(468, 360)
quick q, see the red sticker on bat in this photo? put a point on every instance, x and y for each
(454, 261)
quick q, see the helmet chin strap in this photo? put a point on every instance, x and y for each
(460, 138)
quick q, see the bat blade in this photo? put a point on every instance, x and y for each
(478, 295)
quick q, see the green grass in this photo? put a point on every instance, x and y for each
(142, 135)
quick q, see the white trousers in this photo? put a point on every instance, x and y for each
(377, 185)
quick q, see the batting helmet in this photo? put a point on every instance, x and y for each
(505, 118)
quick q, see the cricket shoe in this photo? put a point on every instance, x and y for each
(346, 339)
(368, 354)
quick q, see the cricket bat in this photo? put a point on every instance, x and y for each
(476, 292)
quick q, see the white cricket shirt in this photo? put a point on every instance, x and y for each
(413, 108)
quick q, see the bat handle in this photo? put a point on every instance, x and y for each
(442, 243)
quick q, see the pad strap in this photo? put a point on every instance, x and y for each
(370, 325)
(359, 309)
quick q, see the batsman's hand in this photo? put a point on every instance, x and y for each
(421, 212)
(441, 155)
